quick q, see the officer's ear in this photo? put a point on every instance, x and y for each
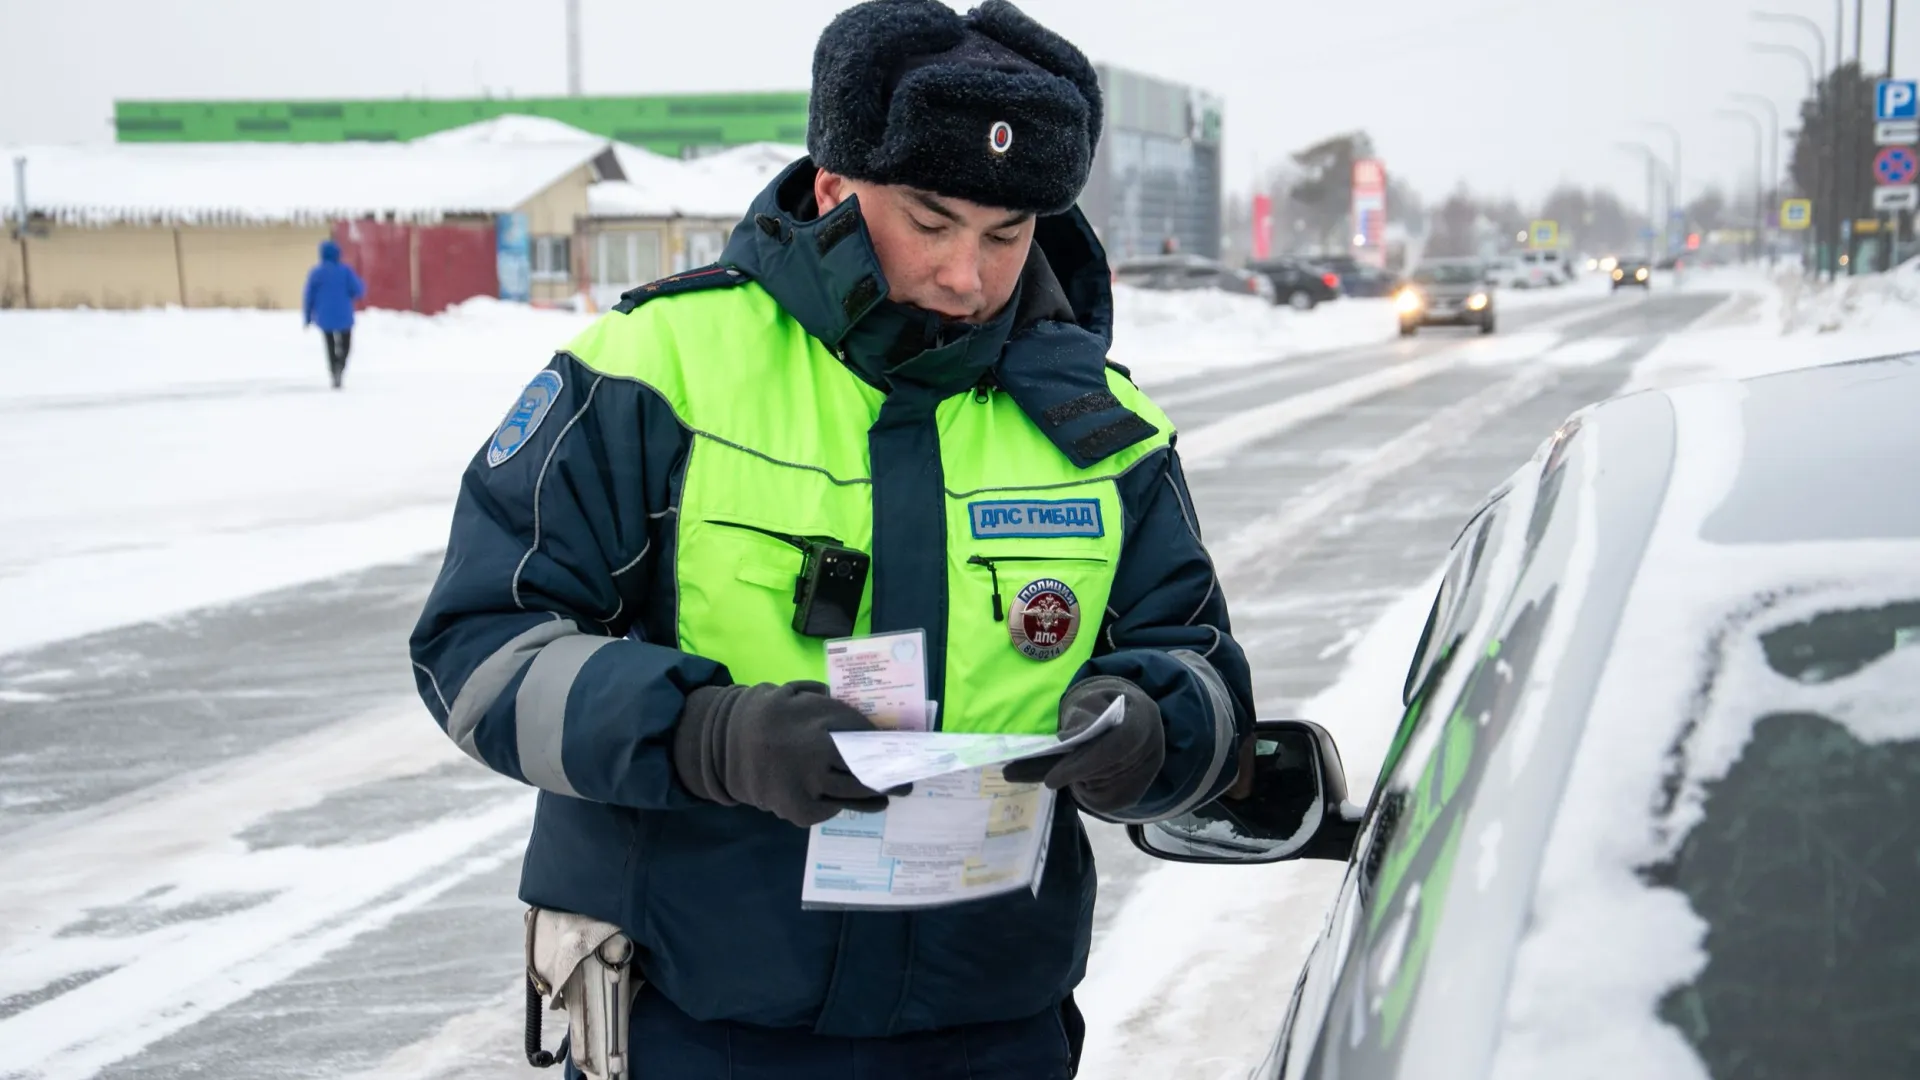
(830, 189)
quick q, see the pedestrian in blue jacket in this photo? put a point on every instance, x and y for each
(900, 358)
(332, 287)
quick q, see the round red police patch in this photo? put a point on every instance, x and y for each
(1044, 619)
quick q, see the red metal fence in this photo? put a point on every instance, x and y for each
(424, 268)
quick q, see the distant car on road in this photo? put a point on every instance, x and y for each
(1649, 809)
(1181, 273)
(1299, 284)
(1631, 271)
(1446, 292)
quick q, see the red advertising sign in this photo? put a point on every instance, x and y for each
(1370, 212)
(1262, 226)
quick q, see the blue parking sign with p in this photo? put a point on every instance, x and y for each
(1895, 99)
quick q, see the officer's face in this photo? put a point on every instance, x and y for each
(957, 259)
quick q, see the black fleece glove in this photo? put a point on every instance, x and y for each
(1112, 771)
(771, 747)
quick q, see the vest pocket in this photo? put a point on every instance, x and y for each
(1020, 623)
(993, 563)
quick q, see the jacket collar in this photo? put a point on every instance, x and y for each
(1047, 349)
(822, 270)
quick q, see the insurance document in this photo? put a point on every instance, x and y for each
(963, 833)
(959, 836)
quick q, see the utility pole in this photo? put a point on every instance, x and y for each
(573, 48)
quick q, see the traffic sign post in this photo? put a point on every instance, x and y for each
(1796, 213)
(1896, 133)
(1901, 197)
(1896, 128)
(1895, 99)
(1894, 166)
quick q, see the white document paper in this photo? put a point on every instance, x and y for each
(960, 836)
(885, 677)
(887, 759)
(964, 832)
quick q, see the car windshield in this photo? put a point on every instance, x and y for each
(1448, 274)
(1803, 865)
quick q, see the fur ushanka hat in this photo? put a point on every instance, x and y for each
(990, 106)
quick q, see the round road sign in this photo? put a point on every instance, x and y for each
(1894, 165)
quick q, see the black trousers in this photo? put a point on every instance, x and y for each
(339, 342)
(667, 1044)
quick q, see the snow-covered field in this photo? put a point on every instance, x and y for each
(182, 458)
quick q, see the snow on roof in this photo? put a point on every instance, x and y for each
(487, 167)
(225, 183)
(720, 185)
(512, 128)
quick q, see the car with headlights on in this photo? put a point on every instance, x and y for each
(1631, 271)
(1650, 809)
(1446, 292)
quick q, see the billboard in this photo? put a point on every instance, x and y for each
(1262, 226)
(1370, 212)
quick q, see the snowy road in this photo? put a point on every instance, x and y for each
(232, 844)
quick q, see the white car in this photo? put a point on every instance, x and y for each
(1653, 808)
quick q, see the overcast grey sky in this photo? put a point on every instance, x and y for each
(1511, 96)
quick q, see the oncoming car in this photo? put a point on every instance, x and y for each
(1631, 271)
(1446, 292)
(1650, 810)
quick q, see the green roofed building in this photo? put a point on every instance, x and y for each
(679, 125)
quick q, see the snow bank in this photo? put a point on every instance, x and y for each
(1193, 978)
(170, 459)
(1781, 321)
(1166, 336)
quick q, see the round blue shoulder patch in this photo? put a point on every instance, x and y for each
(536, 401)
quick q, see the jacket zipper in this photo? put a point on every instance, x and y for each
(993, 570)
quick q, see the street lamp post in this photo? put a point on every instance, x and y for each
(1759, 138)
(1773, 171)
(1678, 200)
(1810, 259)
(1653, 160)
(1826, 213)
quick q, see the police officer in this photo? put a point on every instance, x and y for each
(901, 354)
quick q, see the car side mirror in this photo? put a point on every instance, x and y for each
(1289, 802)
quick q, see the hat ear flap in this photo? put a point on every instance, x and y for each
(1008, 25)
(856, 62)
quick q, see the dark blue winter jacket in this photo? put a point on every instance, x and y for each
(332, 287)
(558, 595)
